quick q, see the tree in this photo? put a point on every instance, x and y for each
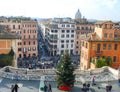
(7, 59)
(65, 71)
(11, 53)
(106, 61)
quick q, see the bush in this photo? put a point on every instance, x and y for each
(7, 59)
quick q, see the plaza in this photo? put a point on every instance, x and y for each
(30, 82)
(33, 86)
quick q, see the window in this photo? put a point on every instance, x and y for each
(13, 26)
(105, 34)
(110, 35)
(77, 42)
(115, 47)
(29, 43)
(115, 35)
(72, 31)
(62, 41)
(24, 31)
(24, 43)
(114, 58)
(78, 28)
(68, 31)
(62, 51)
(19, 49)
(18, 26)
(52, 31)
(62, 46)
(56, 31)
(72, 35)
(67, 41)
(72, 41)
(63, 25)
(109, 47)
(34, 48)
(63, 31)
(33, 42)
(104, 46)
(82, 28)
(29, 49)
(73, 26)
(29, 37)
(71, 51)
(67, 35)
(62, 36)
(68, 25)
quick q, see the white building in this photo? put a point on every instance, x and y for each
(60, 36)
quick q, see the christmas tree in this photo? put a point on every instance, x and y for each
(65, 72)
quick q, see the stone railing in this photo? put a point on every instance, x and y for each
(101, 74)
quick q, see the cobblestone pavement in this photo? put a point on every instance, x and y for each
(32, 86)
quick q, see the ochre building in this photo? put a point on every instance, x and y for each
(104, 42)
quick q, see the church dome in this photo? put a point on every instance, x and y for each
(78, 14)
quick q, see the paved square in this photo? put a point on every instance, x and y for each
(33, 86)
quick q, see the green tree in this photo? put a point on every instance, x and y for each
(11, 53)
(65, 69)
(107, 61)
(7, 59)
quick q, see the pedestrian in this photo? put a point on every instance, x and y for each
(119, 82)
(45, 88)
(49, 88)
(16, 88)
(93, 80)
(12, 88)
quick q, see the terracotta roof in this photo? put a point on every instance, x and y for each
(101, 22)
(89, 38)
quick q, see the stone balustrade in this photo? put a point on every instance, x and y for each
(101, 74)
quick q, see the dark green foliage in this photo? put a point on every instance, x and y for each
(6, 59)
(103, 62)
(65, 70)
(11, 53)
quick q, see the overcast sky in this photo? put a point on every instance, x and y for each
(91, 9)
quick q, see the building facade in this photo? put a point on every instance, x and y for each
(60, 36)
(83, 26)
(27, 31)
(104, 42)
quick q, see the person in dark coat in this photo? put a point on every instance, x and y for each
(49, 88)
(16, 88)
(45, 88)
(12, 88)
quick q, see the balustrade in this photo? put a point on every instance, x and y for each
(101, 74)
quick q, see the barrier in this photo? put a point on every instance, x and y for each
(101, 74)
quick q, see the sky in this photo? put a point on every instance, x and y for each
(90, 9)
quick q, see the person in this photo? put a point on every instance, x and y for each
(45, 88)
(119, 82)
(93, 80)
(84, 85)
(12, 88)
(16, 88)
(49, 88)
(110, 88)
